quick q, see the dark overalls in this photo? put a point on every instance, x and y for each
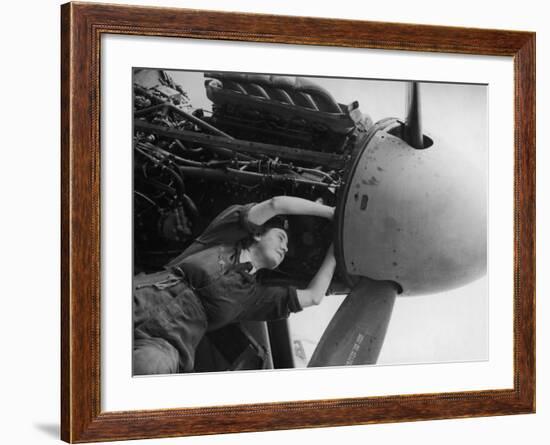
(205, 288)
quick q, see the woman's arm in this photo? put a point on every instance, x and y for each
(318, 286)
(288, 205)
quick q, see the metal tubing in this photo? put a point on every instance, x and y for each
(246, 177)
(185, 114)
(234, 146)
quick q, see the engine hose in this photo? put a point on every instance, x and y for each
(317, 172)
(191, 207)
(279, 178)
(146, 198)
(168, 154)
(231, 174)
(186, 148)
(197, 121)
(182, 197)
(180, 186)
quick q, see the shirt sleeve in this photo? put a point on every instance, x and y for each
(229, 227)
(272, 303)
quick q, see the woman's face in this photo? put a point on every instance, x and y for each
(273, 246)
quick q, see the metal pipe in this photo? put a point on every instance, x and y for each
(188, 116)
(199, 138)
(413, 126)
(169, 155)
(247, 177)
(180, 186)
(238, 147)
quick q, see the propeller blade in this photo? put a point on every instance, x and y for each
(356, 332)
(413, 124)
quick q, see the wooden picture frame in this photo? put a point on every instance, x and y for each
(82, 26)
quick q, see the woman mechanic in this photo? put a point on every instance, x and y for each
(213, 283)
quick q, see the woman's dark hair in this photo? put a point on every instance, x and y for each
(277, 222)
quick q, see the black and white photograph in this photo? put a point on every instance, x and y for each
(284, 221)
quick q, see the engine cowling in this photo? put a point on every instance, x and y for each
(417, 217)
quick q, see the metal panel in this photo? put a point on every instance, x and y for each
(417, 217)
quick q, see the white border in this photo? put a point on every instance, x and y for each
(122, 392)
